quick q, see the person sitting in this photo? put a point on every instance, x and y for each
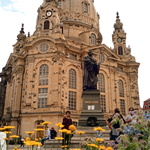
(53, 133)
(47, 134)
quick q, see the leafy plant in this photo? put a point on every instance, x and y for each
(95, 143)
(137, 135)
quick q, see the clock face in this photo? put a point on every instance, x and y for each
(49, 13)
(119, 40)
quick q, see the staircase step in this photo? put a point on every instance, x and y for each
(78, 139)
(75, 142)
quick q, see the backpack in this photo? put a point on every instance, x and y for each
(117, 125)
(117, 120)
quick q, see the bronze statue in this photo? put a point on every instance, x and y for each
(91, 69)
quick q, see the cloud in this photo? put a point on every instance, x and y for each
(9, 5)
(13, 13)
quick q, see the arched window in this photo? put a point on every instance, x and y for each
(101, 83)
(39, 134)
(72, 79)
(121, 89)
(72, 94)
(120, 50)
(85, 8)
(93, 38)
(38, 122)
(46, 24)
(43, 74)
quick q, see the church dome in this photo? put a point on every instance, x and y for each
(80, 12)
(79, 19)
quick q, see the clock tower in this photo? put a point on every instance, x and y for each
(119, 39)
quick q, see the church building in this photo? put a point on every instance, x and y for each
(43, 77)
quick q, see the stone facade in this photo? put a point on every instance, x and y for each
(44, 72)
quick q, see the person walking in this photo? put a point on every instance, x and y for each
(67, 121)
(114, 123)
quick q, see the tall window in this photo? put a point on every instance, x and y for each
(101, 87)
(72, 79)
(85, 8)
(101, 58)
(122, 106)
(46, 24)
(43, 74)
(101, 82)
(42, 97)
(121, 89)
(93, 38)
(120, 50)
(103, 102)
(72, 100)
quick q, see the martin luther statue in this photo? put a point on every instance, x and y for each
(91, 69)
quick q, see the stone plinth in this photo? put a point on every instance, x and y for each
(91, 114)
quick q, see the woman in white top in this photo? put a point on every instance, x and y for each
(48, 135)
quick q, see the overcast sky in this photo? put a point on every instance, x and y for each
(134, 15)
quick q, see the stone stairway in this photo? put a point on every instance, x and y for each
(77, 139)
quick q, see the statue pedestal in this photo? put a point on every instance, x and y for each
(91, 114)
